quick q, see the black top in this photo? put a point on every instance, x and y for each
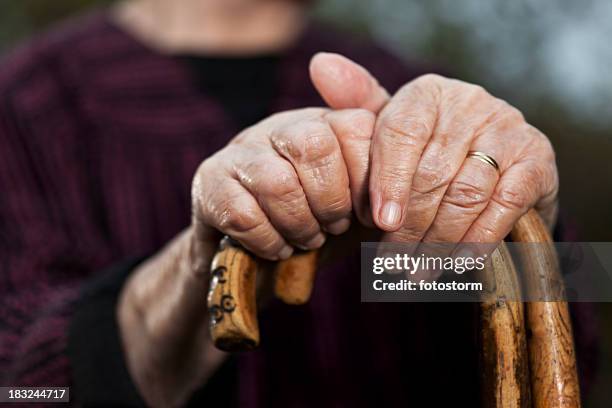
(245, 86)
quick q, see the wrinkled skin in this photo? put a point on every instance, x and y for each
(285, 181)
(422, 187)
(398, 163)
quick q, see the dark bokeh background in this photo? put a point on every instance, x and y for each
(550, 58)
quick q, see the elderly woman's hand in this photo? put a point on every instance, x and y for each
(424, 185)
(281, 183)
(285, 181)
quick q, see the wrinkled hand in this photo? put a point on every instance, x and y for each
(422, 186)
(281, 183)
(284, 182)
(297, 175)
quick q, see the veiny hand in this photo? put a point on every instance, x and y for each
(422, 186)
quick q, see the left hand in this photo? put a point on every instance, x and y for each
(422, 185)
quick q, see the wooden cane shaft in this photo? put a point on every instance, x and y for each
(551, 348)
(505, 371)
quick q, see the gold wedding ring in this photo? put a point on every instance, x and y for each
(483, 157)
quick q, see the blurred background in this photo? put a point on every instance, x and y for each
(549, 58)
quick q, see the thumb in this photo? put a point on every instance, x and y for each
(344, 84)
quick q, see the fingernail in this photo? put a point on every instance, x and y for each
(390, 214)
(338, 227)
(316, 242)
(286, 252)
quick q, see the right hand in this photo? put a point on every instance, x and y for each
(283, 182)
(287, 181)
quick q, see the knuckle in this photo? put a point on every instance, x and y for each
(394, 181)
(201, 190)
(286, 189)
(512, 113)
(295, 220)
(296, 210)
(318, 145)
(357, 124)
(340, 204)
(306, 142)
(476, 91)
(418, 223)
(280, 184)
(336, 206)
(465, 195)
(541, 143)
(533, 175)
(244, 135)
(267, 242)
(311, 112)
(197, 188)
(512, 198)
(487, 232)
(541, 180)
(550, 184)
(429, 179)
(431, 78)
(238, 220)
(473, 96)
(406, 130)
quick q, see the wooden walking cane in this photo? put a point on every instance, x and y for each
(528, 350)
(231, 297)
(505, 363)
(552, 358)
(528, 359)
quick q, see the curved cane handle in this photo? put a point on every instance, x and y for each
(232, 306)
(232, 302)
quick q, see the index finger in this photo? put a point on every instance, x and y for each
(403, 129)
